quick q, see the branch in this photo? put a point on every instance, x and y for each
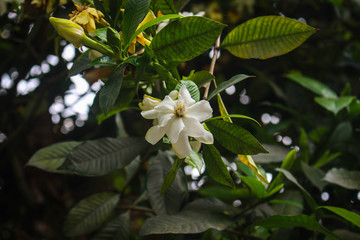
(212, 66)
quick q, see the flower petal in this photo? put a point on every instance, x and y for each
(164, 119)
(182, 147)
(193, 127)
(150, 114)
(166, 106)
(207, 138)
(173, 129)
(200, 110)
(154, 134)
(195, 145)
(185, 96)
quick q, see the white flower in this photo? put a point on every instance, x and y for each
(179, 119)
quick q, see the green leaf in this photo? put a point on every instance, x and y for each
(276, 154)
(195, 161)
(255, 186)
(286, 164)
(166, 76)
(266, 37)
(248, 161)
(200, 78)
(334, 105)
(191, 87)
(343, 178)
(103, 61)
(350, 216)
(101, 33)
(325, 159)
(307, 195)
(167, 6)
(113, 39)
(152, 23)
(315, 176)
(304, 221)
(235, 138)
(196, 217)
(52, 157)
(171, 201)
(80, 64)
(313, 85)
(171, 174)
(215, 166)
(90, 213)
(232, 116)
(225, 194)
(288, 203)
(186, 38)
(354, 108)
(135, 11)
(109, 93)
(118, 228)
(103, 156)
(224, 85)
(304, 145)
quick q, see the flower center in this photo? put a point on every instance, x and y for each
(180, 109)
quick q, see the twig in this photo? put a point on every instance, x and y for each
(212, 66)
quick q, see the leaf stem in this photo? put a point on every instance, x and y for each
(212, 66)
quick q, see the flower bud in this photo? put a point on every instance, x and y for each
(69, 30)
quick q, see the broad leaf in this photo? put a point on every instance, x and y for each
(224, 85)
(255, 186)
(197, 217)
(304, 221)
(135, 11)
(191, 87)
(103, 61)
(288, 203)
(307, 195)
(167, 6)
(186, 38)
(315, 176)
(52, 157)
(215, 166)
(235, 138)
(103, 156)
(350, 216)
(171, 200)
(343, 178)
(266, 37)
(312, 85)
(113, 39)
(334, 105)
(109, 93)
(101, 33)
(90, 213)
(276, 154)
(200, 78)
(80, 64)
(118, 228)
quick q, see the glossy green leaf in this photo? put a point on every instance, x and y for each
(235, 138)
(109, 93)
(195, 160)
(103, 156)
(334, 105)
(101, 33)
(170, 201)
(167, 6)
(313, 85)
(166, 76)
(80, 64)
(304, 221)
(266, 37)
(350, 216)
(315, 175)
(307, 195)
(118, 228)
(196, 217)
(286, 164)
(113, 39)
(52, 157)
(224, 85)
(103, 61)
(135, 11)
(186, 38)
(90, 213)
(215, 166)
(255, 186)
(191, 87)
(343, 178)
(232, 116)
(200, 78)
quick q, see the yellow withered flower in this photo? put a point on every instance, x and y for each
(140, 38)
(88, 18)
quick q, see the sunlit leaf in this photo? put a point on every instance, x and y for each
(103, 61)
(255, 186)
(248, 161)
(90, 213)
(186, 38)
(343, 178)
(52, 157)
(350, 216)
(334, 105)
(191, 87)
(266, 37)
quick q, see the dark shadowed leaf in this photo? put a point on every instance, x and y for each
(80, 64)
(103, 156)
(315, 175)
(344, 178)
(350, 216)
(90, 213)
(118, 228)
